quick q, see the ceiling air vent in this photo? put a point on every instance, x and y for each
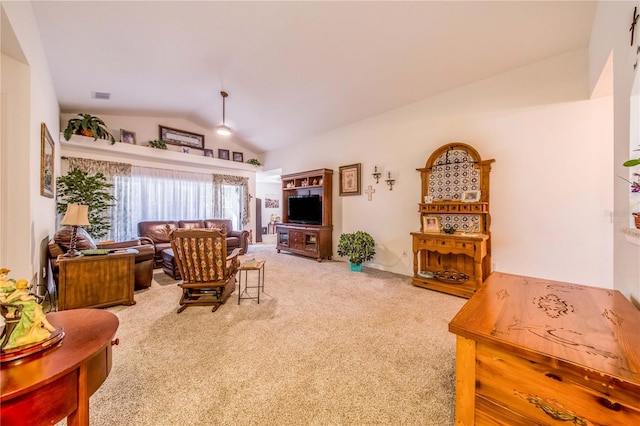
(100, 95)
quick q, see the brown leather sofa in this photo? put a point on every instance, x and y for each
(144, 260)
(158, 232)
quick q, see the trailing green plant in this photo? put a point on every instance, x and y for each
(78, 187)
(88, 125)
(254, 161)
(357, 246)
(157, 143)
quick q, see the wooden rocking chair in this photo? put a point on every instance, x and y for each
(208, 274)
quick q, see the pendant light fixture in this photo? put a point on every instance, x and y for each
(223, 129)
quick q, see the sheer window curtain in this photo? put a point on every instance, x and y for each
(159, 194)
(146, 193)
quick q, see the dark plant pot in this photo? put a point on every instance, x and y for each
(355, 268)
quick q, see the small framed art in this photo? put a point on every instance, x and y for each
(208, 153)
(471, 196)
(430, 224)
(47, 150)
(350, 180)
(223, 154)
(127, 136)
(238, 156)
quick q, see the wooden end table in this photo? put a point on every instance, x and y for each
(250, 265)
(57, 382)
(97, 281)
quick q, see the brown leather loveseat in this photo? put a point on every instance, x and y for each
(158, 232)
(143, 260)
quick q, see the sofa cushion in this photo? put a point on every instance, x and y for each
(156, 230)
(83, 239)
(225, 225)
(190, 224)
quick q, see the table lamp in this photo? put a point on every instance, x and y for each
(76, 215)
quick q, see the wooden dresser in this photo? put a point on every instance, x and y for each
(532, 351)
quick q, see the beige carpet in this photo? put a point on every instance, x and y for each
(324, 346)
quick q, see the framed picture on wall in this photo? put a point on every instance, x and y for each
(208, 152)
(223, 154)
(47, 151)
(238, 156)
(181, 137)
(350, 179)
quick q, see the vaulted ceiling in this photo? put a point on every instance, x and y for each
(292, 69)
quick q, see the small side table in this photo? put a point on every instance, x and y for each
(246, 266)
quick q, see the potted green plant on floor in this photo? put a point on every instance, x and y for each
(90, 126)
(78, 187)
(358, 247)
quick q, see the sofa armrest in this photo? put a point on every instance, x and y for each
(243, 237)
(146, 240)
(119, 244)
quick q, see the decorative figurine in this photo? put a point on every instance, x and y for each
(25, 321)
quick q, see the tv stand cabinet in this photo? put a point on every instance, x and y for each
(307, 240)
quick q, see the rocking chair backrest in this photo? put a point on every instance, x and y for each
(200, 254)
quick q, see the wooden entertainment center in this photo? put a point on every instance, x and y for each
(306, 239)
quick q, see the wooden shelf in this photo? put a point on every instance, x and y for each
(84, 145)
(454, 207)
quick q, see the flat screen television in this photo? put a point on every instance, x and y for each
(305, 209)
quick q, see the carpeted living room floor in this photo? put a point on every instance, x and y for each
(324, 346)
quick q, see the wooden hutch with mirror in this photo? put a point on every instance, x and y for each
(306, 226)
(454, 198)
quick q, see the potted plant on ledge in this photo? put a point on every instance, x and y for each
(358, 247)
(90, 126)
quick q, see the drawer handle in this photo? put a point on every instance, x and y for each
(554, 377)
(555, 413)
(442, 242)
(608, 404)
(115, 342)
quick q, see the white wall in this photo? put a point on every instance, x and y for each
(611, 36)
(272, 189)
(549, 184)
(28, 99)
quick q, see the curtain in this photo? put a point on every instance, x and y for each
(159, 194)
(223, 186)
(114, 173)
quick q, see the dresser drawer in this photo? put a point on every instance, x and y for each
(549, 395)
(465, 245)
(444, 243)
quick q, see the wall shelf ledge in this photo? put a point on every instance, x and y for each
(84, 145)
(632, 235)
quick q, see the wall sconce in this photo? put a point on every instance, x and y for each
(390, 181)
(376, 174)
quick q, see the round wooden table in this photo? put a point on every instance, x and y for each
(57, 382)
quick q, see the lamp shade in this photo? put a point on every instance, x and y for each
(76, 215)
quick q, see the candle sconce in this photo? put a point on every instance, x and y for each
(376, 174)
(390, 181)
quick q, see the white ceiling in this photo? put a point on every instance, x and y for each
(292, 69)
